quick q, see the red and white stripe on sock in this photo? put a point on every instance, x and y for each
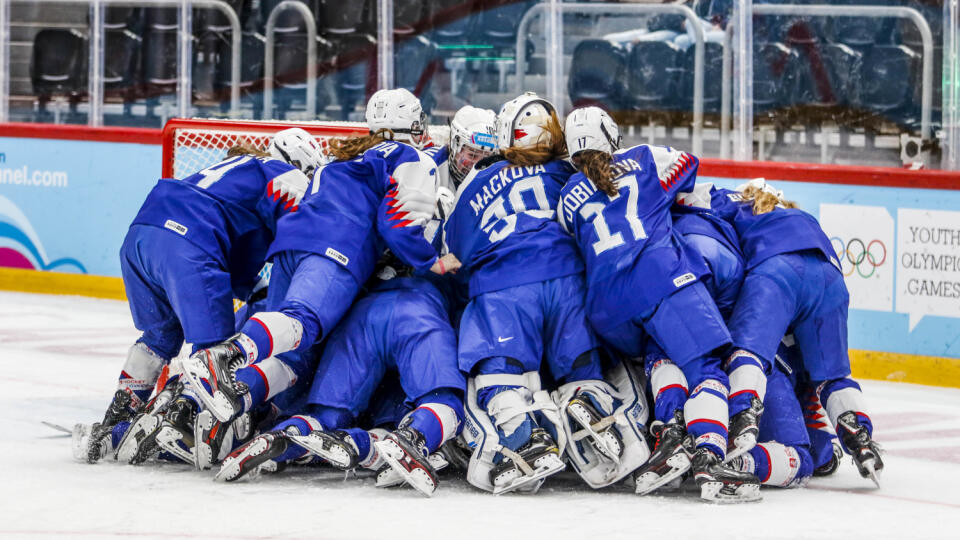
(669, 387)
(437, 422)
(775, 464)
(747, 379)
(705, 413)
(140, 372)
(267, 334)
(265, 379)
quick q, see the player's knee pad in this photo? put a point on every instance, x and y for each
(747, 374)
(505, 412)
(140, 372)
(621, 402)
(779, 465)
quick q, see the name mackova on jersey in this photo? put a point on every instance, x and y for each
(583, 190)
(495, 185)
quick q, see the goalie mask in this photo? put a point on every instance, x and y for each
(590, 128)
(399, 111)
(522, 122)
(472, 138)
(298, 148)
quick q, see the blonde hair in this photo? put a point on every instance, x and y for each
(598, 167)
(541, 152)
(351, 147)
(246, 148)
(764, 201)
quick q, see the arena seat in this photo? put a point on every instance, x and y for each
(598, 74)
(290, 21)
(497, 25)
(121, 65)
(408, 16)
(887, 81)
(352, 80)
(854, 31)
(416, 62)
(251, 72)
(774, 71)
(341, 18)
(58, 67)
(712, 77)
(159, 59)
(654, 75)
(455, 31)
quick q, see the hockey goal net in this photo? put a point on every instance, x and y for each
(190, 145)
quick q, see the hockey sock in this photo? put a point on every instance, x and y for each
(747, 373)
(362, 441)
(140, 373)
(302, 424)
(269, 333)
(669, 388)
(117, 433)
(778, 465)
(841, 395)
(438, 417)
(705, 413)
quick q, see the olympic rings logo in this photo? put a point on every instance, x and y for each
(860, 255)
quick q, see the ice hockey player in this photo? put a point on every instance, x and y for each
(355, 206)
(526, 306)
(195, 244)
(472, 138)
(793, 281)
(618, 210)
(401, 326)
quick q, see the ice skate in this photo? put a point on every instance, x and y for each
(719, 483)
(388, 477)
(404, 450)
(865, 452)
(176, 430)
(670, 458)
(139, 443)
(247, 460)
(217, 367)
(94, 436)
(214, 438)
(744, 427)
(603, 436)
(334, 447)
(525, 469)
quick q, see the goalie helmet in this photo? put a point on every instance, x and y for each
(399, 111)
(522, 122)
(298, 148)
(472, 138)
(590, 128)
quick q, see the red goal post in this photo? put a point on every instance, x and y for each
(193, 144)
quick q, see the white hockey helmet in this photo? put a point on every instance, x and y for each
(472, 138)
(399, 111)
(522, 122)
(591, 128)
(298, 148)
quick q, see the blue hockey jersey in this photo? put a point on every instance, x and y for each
(503, 226)
(229, 210)
(715, 241)
(627, 240)
(350, 212)
(783, 230)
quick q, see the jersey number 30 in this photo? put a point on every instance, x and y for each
(498, 210)
(605, 240)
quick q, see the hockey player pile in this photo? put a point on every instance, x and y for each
(500, 307)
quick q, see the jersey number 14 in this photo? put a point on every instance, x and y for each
(605, 240)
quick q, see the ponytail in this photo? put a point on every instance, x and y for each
(246, 149)
(542, 152)
(764, 201)
(597, 166)
(351, 147)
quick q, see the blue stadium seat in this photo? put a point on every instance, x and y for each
(888, 82)
(497, 25)
(774, 76)
(654, 73)
(354, 78)
(341, 18)
(251, 72)
(598, 75)
(453, 21)
(409, 17)
(121, 65)
(712, 77)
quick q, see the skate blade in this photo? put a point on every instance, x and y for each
(648, 482)
(388, 476)
(333, 454)
(57, 427)
(418, 478)
(133, 447)
(169, 440)
(602, 445)
(872, 473)
(741, 445)
(712, 491)
(232, 467)
(545, 466)
(203, 453)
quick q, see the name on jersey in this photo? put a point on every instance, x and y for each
(495, 184)
(585, 189)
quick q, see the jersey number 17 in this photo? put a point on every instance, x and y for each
(605, 239)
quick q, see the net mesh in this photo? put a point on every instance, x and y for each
(198, 147)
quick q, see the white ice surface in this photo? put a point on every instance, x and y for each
(60, 358)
